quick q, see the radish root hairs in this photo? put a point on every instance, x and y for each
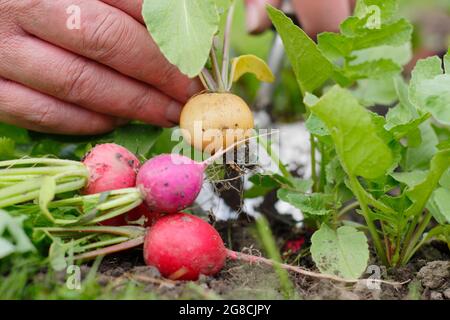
(239, 256)
(222, 151)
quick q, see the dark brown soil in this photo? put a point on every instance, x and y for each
(428, 272)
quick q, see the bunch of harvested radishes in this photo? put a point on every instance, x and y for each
(180, 245)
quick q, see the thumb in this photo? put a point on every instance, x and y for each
(256, 15)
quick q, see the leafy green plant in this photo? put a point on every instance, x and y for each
(13, 239)
(393, 169)
(188, 34)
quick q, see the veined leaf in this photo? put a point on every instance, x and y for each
(343, 252)
(403, 118)
(410, 178)
(12, 236)
(439, 205)
(361, 151)
(7, 148)
(421, 192)
(138, 138)
(312, 204)
(251, 64)
(429, 88)
(445, 179)
(311, 68)
(183, 30)
(335, 45)
(387, 9)
(419, 157)
(377, 69)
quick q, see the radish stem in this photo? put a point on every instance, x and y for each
(226, 48)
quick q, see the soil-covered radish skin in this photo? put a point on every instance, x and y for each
(183, 246)
(111, 167)
(222, 116)
(170, 182)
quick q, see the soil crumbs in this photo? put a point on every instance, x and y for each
(428, 274)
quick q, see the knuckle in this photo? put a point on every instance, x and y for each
(44, 117)
(5, 87)
(139, 104)
(105, 36)
(166, 76)
(77, 84)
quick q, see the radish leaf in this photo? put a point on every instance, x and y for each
(361, 150)
(429, 88)
(311, 68)
(12, 236)
(183, 30)
(343, 252)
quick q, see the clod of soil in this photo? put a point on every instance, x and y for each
(435, 275)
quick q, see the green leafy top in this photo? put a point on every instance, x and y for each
(13, 238)
(429, 88)
(183, 30)
(362, 152)
(311, 68)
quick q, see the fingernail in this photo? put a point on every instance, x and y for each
(253, 18)
(173, 112)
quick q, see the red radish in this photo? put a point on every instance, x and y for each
(170, 182)
(183, 246)
(110, 167)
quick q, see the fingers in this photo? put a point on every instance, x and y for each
(74, 79)
(131, 7)
(111, 37)
(26, 108)
(256, 15)
(319, 16)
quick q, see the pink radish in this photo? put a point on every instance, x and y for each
(170, 182)
(183, 246)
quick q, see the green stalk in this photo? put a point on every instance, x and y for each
(111, 249)
(227, 81)
(356, 187)
(34, 194)
(208, 80)
(114, 203)
(313, 163)
(398, 256)
(78, 200)
(216, 69)
(117, 212)
(412, 247)
(37, 161)
(322, 176)
(126, 231)
(348, 208)
(104, 243)
(39, 171)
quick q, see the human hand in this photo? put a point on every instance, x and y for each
(86, 80)
(315, 15)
